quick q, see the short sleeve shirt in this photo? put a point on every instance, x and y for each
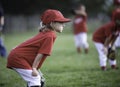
(103, 32)
(24, 54)
(79, 24)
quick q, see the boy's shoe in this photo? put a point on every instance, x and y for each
(78, 50)
(103, 68)
(86, 50)
(114, 67)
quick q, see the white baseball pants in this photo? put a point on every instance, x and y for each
(27, 76)
(81, 40)
(102, 56)
(117, 42)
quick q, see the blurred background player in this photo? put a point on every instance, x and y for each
(3, 52)
(116, 4)
(80, 28)
(104, 38)
(29, 56)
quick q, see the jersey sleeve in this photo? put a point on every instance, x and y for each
(108, 30)
(46, 46)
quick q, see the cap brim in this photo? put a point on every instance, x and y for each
(63, 20)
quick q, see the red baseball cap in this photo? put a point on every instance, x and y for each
(116, 15)
(51, 15)
(116, 2)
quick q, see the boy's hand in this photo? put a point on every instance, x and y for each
(35, 72)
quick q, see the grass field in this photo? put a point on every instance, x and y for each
(65, 67)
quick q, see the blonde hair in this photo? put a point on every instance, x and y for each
(44, 27)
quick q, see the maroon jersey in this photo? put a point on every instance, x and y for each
(105, 31)
(24, 54)
(79, 24)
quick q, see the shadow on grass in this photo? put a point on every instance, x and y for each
(2, 84)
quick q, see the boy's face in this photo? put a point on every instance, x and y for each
(57, 26)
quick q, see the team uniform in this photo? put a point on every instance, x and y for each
(29, 56)
(21, 57)
(99, 38)
(80, 31)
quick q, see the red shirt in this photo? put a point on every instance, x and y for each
(79, 24)
(24, 54)
(103, 32)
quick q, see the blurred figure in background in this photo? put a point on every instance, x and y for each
(80, 28)
(116, 4)
(3, 52)
(104, 39)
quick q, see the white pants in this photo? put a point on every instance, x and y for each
(117, 42)
(102, 56)
(81, 40)
(27, 76)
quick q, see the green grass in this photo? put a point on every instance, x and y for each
(65, 67)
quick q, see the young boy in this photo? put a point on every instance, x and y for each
(29, 56)
(104, 37)
(80, 28)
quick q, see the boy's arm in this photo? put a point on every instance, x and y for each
(114, 37)
(109, 42)
(2, 20)
(36, 63)
(1, 23)
(111, 39)
(37, 60)
(106, 44)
